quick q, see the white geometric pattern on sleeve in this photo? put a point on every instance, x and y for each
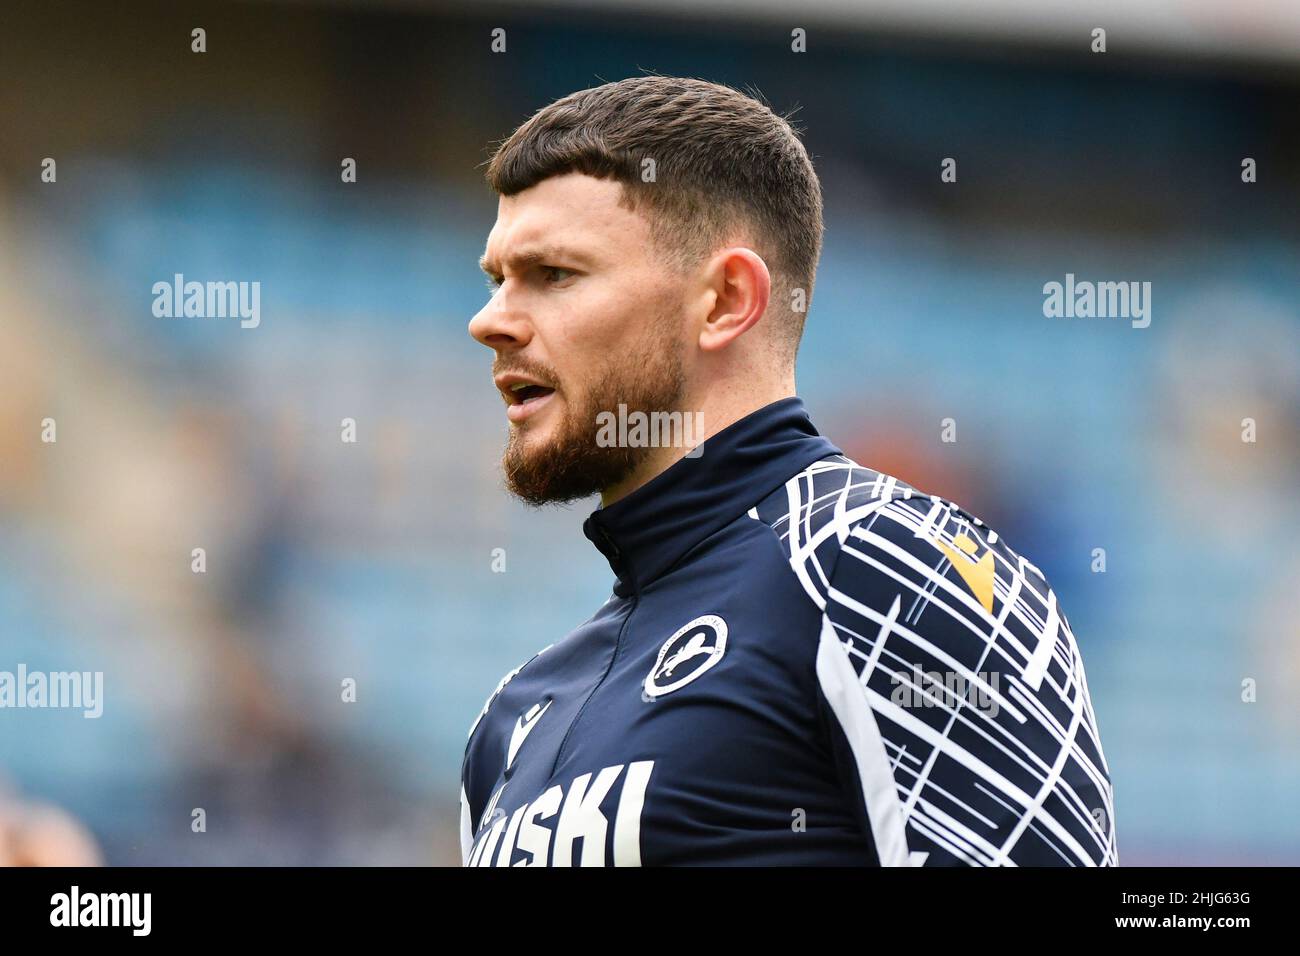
(951, 673)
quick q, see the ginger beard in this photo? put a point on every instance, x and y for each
(570, 464)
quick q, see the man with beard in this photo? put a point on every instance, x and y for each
(803, 660)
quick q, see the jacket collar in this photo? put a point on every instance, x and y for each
(645, 533)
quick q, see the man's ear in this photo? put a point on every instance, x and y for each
(740, 281)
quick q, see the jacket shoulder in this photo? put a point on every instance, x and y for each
(949, 676)
(829, 503)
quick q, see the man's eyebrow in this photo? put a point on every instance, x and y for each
(526, 257)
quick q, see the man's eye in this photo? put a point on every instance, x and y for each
(493, 283)
(555, 273)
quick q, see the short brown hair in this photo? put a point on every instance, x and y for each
(723, 162)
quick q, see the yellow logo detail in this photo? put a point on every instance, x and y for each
(978, 575)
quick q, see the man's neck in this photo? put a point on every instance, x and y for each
(715, 415)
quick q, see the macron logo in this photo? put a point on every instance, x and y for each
(523, 727)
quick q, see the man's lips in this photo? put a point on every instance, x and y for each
(529, 407)
(523, 395)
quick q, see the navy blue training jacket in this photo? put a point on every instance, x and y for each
(803, 661)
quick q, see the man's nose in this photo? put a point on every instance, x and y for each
(500, 324)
